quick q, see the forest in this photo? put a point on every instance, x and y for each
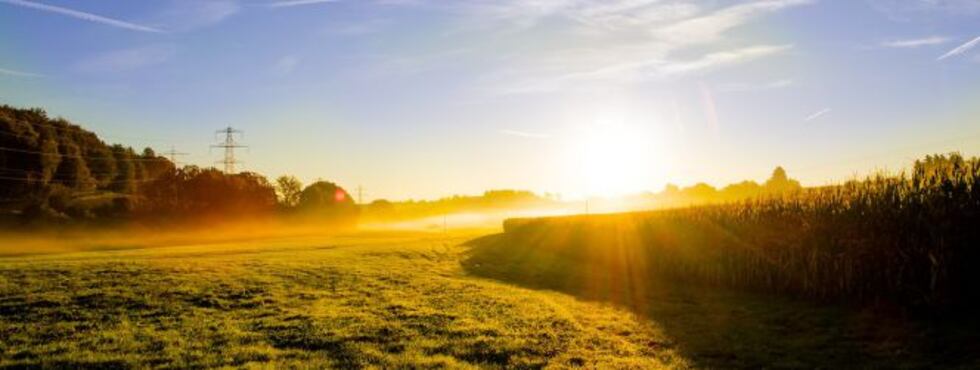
(53, 171)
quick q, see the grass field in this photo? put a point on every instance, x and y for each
(394, 300)
(373, 299)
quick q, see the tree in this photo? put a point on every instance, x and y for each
(701, 191)
(326, 199)
(742, 190)
(323, 194)
(288, 190)
(781, 183)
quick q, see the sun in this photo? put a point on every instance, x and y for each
(615, 158)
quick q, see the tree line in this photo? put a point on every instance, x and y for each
(778, 184)
(52, 170)
(488, 202)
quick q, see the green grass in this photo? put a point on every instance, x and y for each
(368, 300)
(398, 300)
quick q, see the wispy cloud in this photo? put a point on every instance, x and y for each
(291, 3)
(185, 15)
(710, 27)
(746, 87)
(286, 64)
(619, 41)
(688, 21)
(128, 59)
(914, 43)
(818, 114)
(722, 58)
(525, 134)
(410, 64)
(910, 10)
(638, 70)
(613, 15)
(961, 49)
(358, 28)
(82, 15)
(616, 41)
(15, 73)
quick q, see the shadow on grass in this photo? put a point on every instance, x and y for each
(717, 328)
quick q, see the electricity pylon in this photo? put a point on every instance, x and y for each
(229, 145)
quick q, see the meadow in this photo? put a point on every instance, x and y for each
(393, 299)
(381, 299)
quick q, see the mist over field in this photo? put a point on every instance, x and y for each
(489, 184)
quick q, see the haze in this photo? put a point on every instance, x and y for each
(421, 99)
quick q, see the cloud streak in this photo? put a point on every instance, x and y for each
(744, 87)
(914, 43)
(710, 27)
(186, 15)
(722, 58)
(638, 70)
(960, 49)
(292, 3)
(128, 59)
(818, 114)
(909, 10)
(11, 72)
(82, 15)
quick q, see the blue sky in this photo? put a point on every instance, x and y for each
(424, 98)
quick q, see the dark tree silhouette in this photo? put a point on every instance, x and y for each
(289, 188)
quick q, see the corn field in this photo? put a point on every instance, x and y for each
(910, 239)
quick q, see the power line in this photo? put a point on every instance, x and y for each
(23, 136)
(37, 127)
(173, 154)
(229, 145)
(65, 181)
(15, 150)
(93, 174)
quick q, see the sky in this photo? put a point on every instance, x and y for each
(415, 99)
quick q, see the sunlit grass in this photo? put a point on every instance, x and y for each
(377, 300)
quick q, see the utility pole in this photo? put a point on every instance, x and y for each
(229, 145)
(360, 194)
